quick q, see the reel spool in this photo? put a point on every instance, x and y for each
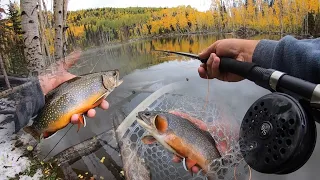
(277, 135)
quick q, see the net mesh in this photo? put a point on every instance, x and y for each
(154, 162)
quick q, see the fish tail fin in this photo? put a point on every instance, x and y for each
(33, 132)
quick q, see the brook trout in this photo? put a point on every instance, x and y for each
(75, 96)
(180, 136)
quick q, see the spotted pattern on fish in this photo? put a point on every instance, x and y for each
(184, 137)
(75, 96)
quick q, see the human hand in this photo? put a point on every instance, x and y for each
(220, 129)
(50, 81)
(239, 49)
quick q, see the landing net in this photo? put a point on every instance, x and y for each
(155, 162)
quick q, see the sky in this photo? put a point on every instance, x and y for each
(201, 5)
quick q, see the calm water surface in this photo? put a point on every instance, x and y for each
(144, 72)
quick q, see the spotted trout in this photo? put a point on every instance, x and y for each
(75, 96)
(180, 136)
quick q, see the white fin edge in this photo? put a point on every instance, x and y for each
(184, 164)
(84, 121)
(103, 95)
(51, 136)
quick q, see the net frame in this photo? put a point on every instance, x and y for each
(153, 161)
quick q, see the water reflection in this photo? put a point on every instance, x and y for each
(138, 55)
(144, 71)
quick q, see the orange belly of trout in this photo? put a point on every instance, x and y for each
(65, 119)
(187, 151)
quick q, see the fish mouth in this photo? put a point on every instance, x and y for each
(117, 77)
(152, 131)
(144, 124)
(119, 82)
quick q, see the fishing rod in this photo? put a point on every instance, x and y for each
(267, 78)
(278, 132)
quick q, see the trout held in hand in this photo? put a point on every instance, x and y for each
(75, 96)
(180, 136)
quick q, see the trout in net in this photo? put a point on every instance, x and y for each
(181, 137)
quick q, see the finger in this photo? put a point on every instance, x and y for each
(195, 169)
(71, 59)
(66, 63)
(62, 77)
(202, 72)
(104, 105)
(75, 119)
(209, 66)
(211, 49)
(91, 113)
(215, 66)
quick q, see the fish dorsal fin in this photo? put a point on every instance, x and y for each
(161, 123)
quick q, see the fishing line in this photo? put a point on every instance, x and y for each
(95, 66)
(58, 141)
(208, 92)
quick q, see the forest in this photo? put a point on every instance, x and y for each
(99, 26)
(34, 39)
(102, 26)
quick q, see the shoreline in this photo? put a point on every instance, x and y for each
(168, 35)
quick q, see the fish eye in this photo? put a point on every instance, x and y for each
(114, 73)
(147, 113)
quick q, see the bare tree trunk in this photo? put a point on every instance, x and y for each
(4, 72)
(14, 89)
(12, 78)
(48, 24)
(31, 37)
(58, 28)
(65, 11)
(281, 17)
(45, 46)
(307, 24)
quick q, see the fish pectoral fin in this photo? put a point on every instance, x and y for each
(148, 139)
(188, 164)
(48, 135)
(82, 120)
(100, 99)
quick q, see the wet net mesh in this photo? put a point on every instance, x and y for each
(154, 162)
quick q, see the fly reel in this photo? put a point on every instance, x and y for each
(277, 134)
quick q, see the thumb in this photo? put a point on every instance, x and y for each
(211, 49)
